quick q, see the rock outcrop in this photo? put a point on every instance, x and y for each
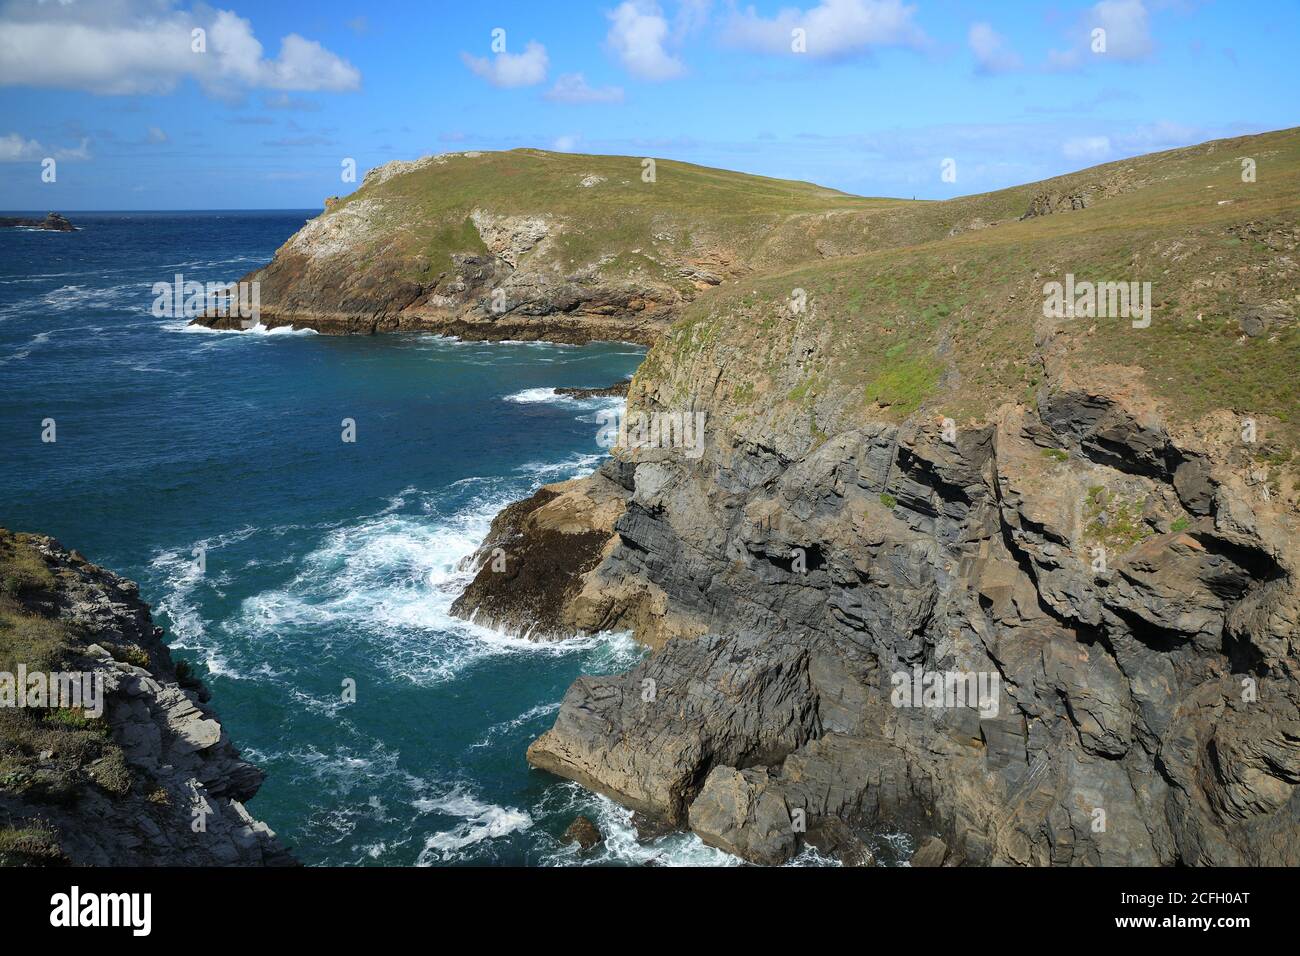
(52, 222)
(154, 780)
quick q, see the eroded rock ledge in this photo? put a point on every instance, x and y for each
(1148, 713)
(121, 789)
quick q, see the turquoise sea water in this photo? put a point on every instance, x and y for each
(324, 560)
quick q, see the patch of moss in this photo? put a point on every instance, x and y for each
(904, 384)
(1113, 521)
(132, 654)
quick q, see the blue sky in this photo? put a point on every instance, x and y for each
(881, 94)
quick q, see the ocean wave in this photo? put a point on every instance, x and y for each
(69, 298)
(480, 821)
(23, 351)
(256, 330)
(577, 465)
(391, 580)
(181, 576)
(550, 396)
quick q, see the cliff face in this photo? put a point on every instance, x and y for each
(923, 472)
(152, 781)
(1162, 690)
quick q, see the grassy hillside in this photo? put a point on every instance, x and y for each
(612, 210)
(945, 319)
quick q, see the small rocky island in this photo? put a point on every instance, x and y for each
(53, 222)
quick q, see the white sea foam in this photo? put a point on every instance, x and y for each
(259, 329)
(533, 396)
(565, 801)
(480, 821)
(577, 465)
(182, 578)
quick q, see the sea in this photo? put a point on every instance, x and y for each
(286, 564)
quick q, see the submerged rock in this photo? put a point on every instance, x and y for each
(611, 391)
(584, 833)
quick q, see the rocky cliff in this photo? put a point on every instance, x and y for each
(151, 780)
(913, 467)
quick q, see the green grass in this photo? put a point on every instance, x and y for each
(22, 570)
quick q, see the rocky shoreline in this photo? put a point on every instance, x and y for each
(153, 781)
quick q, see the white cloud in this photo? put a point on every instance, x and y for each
(511, 69)
(1092, 148)
(691, 17)
(566, 144)
(637, 36)
(833, 28)
(990, 49)
(573, 88)
(145, 46)
(1128, 35)
(16, 149)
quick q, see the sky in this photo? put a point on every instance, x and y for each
(263, 106)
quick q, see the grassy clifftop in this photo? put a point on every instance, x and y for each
(609, 207)
(531, 244)
(944, 315)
